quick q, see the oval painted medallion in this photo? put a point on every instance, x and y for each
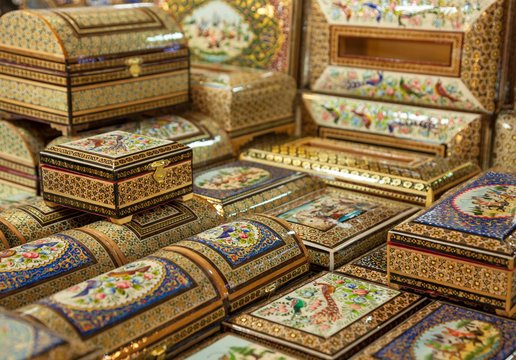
(239, 234)
(489, 201)
(232, 178)
(37, 253)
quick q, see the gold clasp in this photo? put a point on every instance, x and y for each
(159, 170)
(271, 288)
(159, 352)
(134, 66)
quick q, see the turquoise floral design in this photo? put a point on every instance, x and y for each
(237, 233)
(35, 253)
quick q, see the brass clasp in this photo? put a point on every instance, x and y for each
(134, 66)
(159, 170)
(159, 352)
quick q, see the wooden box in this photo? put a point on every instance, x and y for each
(441, 54)
(462, 247)
(116, 174)
(35, 220)
(371, 266)
(76, 68)
(12, 196)
(158, 305)
(337, 226)
(398, 174)
(246, 103)
(444, 331)
(327, 317)
(45, 4)
(504, 142)
(243, 187)
(42, 267)
(210, 144)
(442, 133)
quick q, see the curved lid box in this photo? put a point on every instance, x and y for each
(398, 174)
(45, 4)
(463, 247)
(171, 299)
(79, 67)
(116, 174)
(444, 54)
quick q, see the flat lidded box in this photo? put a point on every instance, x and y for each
(79, 67)
(116, 174)
(462, 248)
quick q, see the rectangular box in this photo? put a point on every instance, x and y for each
(461, 248)
(444, 54)
(116, 174)
(76, 68)
(371, 266)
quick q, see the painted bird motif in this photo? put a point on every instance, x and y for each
(345, 9)
(375, 81)
(331, 312)
(90, 285)
(408, 90)
(366, 119)
(6, 253)
(226, 232)
(297, 305)
(117, 146)
(335, 114)
(32, 247)
(129, 272)
(376, 8)
(356, 84)
(439, 89)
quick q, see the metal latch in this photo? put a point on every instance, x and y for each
(134, 66)
(159, 170)
(159, 352)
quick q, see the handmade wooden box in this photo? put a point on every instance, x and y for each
(246, 103)
(337, 226)
(12, 196)
(444, 133)
(210, 144)
(398, 174)
(158, 305)
(42, 267)
(327, 317)
(440, 54)
(504, 142)
(260, 34)
(76, 68)
(26, 340)
(444, 331)
(462, 248)
(116, 174)
(242, 187)
(34, 220)
(371, 266)
(44, 4)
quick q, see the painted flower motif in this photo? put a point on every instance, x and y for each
(30, 255)
(99, 296)
(123, 284)
(355, 306)
(360, 292)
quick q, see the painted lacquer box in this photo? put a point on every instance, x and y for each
(22, 339)
(242, 187)
(45, 4)
(42, 267)
(79, 67)
(330, 316)
(12, 196)
(443, 331)
(210, 144)
(450, 134)
(116, 174)
(398, 174)
(337, 226)
(246, 103)
(35, 220)
(442, 54)
(463, 246)
(230, 346)
(260, 34)
(145, 309)
(504, 142)
(370, 266)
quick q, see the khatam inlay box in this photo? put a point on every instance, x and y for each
(444, 331)
(76, 68)
(444, 133)
(116, 174)
(42, 267)
(337, 226)
(242, 187)
(371, 266)
(398, 174)
(330, 316)
(504, 141)
(442, 54)
(462, 247)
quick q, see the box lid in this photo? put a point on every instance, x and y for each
(114, 155)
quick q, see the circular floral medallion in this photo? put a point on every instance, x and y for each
(231, 178)
(458, 339)
(490, 201)
(34, 254)
(115, 288)
(236, 234)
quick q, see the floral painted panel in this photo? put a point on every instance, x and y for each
(236, 178)
(486, 207)
(116, 144)
(231, 347)
(110, 298)
(327, 305)
(446, 15)
(170, 127)
(39, 260)
(452, 332)
(387, 119)
(239, 241)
